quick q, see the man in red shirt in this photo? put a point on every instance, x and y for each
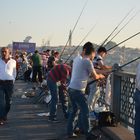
(59, 74)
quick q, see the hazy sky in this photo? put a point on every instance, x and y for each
(52, 20)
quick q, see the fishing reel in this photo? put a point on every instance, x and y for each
(116, 67)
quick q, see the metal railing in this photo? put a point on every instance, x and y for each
(123, 89)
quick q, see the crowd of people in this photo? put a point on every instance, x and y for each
(66, 82)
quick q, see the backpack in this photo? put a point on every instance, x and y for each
(107, 119)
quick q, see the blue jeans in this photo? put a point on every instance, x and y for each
(63, 97)
(6, 91)
(54, 100)
(78, 102)
(137, 115)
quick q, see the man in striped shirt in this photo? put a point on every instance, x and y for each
(59, 74)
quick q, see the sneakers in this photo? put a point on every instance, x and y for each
(53, 120)
(72, 136)
(79, 132)
(1, 122)
(93, 137)
(5, 119)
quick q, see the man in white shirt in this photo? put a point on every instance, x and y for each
(7, 78)
(99, 65)
(137, 105)
(99, 59)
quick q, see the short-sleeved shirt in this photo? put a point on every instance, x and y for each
(60, 73)
(98, 60)
(82, 71)
(76, 61)
(37, 61)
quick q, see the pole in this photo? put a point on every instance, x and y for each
(129, 62)
(124, 41)
(74, 27)
(122, 28)
(80, 43)
(117, 27)
(117, 69)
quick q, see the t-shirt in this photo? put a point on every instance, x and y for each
(138, 77)
(80, 75)
(98, 60)
(76, 62)
(36, 58)
(60, 73)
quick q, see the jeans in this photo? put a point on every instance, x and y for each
(137, 115)
(63, 97)
(6, 91)
(54, 100)
(78, 102)
(37, 71)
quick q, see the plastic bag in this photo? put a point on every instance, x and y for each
(108, 94)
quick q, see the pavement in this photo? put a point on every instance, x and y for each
(24, 123)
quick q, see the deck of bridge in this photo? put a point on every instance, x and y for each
(24, 124)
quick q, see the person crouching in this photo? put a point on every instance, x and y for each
(59, 74)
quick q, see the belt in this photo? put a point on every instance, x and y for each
(77, 90)
(6, 81)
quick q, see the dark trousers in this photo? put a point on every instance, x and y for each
(137, 115)
(63, 97)
(78, 102)
(6, 91)
(37, 71)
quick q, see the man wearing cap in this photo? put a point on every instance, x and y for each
(7, 78)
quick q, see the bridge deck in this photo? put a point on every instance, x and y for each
(24, 124)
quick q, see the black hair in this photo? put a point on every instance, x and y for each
(56, 53)
(52, 52)
(87, 44)
(7, 48)
(36, 51)
(47, 50)
(89, 48)
(102, 49)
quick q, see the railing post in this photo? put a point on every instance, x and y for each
(116, 94)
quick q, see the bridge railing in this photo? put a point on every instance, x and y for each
(123, 89)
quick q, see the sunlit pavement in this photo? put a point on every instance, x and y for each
(24, 124)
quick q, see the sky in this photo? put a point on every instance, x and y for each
(52, 20)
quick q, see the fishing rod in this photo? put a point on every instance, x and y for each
(74, 27)
(129, 62)
(124, 41)
(81, 42)
(122, 28)
(117, 27)
(118, 68)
